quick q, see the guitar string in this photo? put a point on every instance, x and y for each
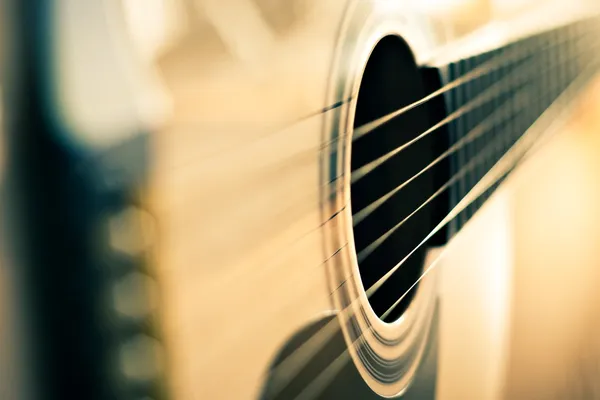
(318, 384)
(457, 82)
(282, 374)
(520, 99)
(308, 155)
(503, 167)
(324, 198)
(567, 104)
(495, 62)
(328, 194)
(489, 66)
(496, 89)
(370, 208)
(495, 118)
(498, 61)
(277, 169)
(299, 359)
(340, 249)
(266, 268)
(461, 173)
(427, 270)
(291, 357)
(302, 235)
(491, 148)
(296, 361)
(383, 279)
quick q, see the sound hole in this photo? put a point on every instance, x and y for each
(391, 81)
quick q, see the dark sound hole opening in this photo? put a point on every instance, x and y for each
(391, 81)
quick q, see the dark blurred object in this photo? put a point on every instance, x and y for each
(68, 203)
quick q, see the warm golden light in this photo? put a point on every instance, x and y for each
(154, 24)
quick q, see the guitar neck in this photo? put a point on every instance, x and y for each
(495, 108)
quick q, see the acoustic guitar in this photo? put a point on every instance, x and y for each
(249, 199)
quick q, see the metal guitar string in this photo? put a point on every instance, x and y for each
(274, 264)
(496, 117)
(324, 192)
(520, 99)
(380, 282)
(486, 67)
(489, 149)
(321, 263)
(300, 357)
(330, 329)
(495, 90)
(271, 264)
(329, 372)
(556, 115)
(487, 95)
(505, 165)
(486, 181)
(489, 66)
(259, 179)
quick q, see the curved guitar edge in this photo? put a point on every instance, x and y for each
(235, 184)
(345, 382)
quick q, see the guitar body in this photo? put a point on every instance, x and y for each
(203, 164)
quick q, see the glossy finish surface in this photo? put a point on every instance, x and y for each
(196, 130)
